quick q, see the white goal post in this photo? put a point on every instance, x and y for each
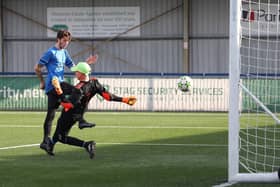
(254, 104)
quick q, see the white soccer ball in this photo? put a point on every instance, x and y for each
(184, 83)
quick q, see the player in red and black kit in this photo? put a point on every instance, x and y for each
(88, 88)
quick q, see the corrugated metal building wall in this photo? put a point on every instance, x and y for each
(209, 32)
(158, 49)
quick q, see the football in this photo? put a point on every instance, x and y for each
(184, 83)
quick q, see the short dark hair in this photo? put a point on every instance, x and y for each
(62, 34)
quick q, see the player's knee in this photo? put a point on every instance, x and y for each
(62, 138)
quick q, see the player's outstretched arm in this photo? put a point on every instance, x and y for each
(131, 100)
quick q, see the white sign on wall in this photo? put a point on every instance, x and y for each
(92, 22)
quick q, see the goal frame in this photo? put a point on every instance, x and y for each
(234, 95)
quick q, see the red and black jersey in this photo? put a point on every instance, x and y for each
(89, 89)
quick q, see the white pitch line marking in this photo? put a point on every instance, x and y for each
(18, 146)
(132, 144)
(122, 127)
(19, 126)
(225, 184)
(173, 144)
(160, 127)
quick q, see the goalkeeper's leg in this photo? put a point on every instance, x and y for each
(76, 94)
(61, 135)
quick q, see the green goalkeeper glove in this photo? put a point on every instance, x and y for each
(131, 100)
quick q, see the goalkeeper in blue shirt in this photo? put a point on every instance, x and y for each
(54, 59)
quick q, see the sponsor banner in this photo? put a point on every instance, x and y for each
(259, 19)
(155, 94)
(161, 94)
(17, 93)
(92, 22)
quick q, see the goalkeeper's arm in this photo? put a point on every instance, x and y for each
(131, 100)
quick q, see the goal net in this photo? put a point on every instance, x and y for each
(254, 124)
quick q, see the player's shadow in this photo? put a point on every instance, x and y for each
(199, 160)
